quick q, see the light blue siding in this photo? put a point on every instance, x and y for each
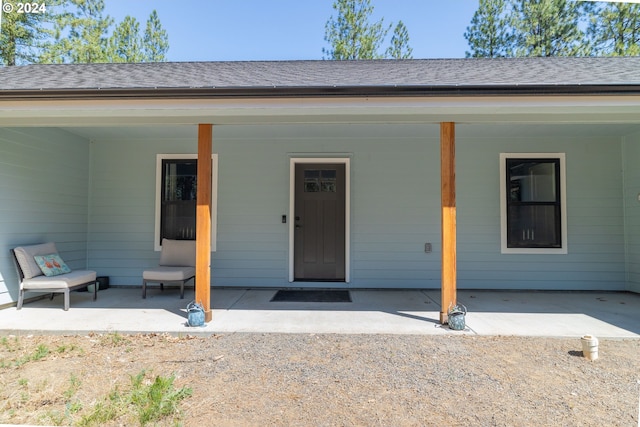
(122, 205)
(44, 176)
(389, 227)
(631, 160)
(595, 258)
(395, 206)
(256, 160)
(96, 200)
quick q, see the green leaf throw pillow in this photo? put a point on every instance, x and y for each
(51, 264)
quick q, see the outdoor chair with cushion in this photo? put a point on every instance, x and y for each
(41, 269)
(177, 265)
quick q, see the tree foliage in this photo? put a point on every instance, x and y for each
(78, 31)
(21, 34)
(547, 28)
(615, 30)
(125, 45)
(400, 48)
(489, 35)
(553, 28)
(156, 40)
(351, 35)
(80, 34)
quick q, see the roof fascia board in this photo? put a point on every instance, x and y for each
(320, 92)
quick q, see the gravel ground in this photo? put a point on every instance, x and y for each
(332, 380)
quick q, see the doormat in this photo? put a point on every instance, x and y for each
(312, 296)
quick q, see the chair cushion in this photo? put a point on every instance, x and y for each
(51, 264)
(76, 277)
(25, 254)
(168, 274)
(178, 253)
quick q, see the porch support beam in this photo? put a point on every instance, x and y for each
(203, 220)
(448, 194)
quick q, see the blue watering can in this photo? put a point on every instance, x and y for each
(457, 315)
(195, 314)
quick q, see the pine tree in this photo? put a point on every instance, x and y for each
(615, 30)
(125, 45)
(80, 34)
(350, 35)
(547, 28)
(156, 40)
(529, 28)
(400, 48)
(21, 34)
(489, 34)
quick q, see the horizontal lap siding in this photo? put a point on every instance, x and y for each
(631, 159)
(395, 207)
(388, 228)
(44, 176)
(252, 197)
(122, 211)
(595, 258)
(396, 193)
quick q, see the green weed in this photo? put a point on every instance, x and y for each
(73, 387)
(114, 339)
(69, 348)
(72, 407)
(103, 413)
(54, 418)
(148, 402)
(10, 344)
(158, 400)
(41, 352)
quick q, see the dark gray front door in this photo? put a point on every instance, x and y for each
(319, 245)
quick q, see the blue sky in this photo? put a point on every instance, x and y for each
(230, 30)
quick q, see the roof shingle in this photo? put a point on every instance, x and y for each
(242, 76)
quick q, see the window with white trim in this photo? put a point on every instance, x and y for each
(533, 203)
(176, 189)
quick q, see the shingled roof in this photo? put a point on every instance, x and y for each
(325, 78)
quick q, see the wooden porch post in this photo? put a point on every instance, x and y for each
(448, 190)
(203, 220)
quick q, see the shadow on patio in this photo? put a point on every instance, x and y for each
(562, 314)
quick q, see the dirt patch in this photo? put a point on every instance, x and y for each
(309, 379)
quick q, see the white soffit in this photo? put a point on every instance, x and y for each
(527, 109)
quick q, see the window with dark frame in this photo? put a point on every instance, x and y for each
(533, 203)
(178, 199)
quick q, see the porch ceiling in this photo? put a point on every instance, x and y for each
(476, 116)
(505, 109)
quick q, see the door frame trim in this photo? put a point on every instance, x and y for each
(347, 209)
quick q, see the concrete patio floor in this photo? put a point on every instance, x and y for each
(550, 314)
